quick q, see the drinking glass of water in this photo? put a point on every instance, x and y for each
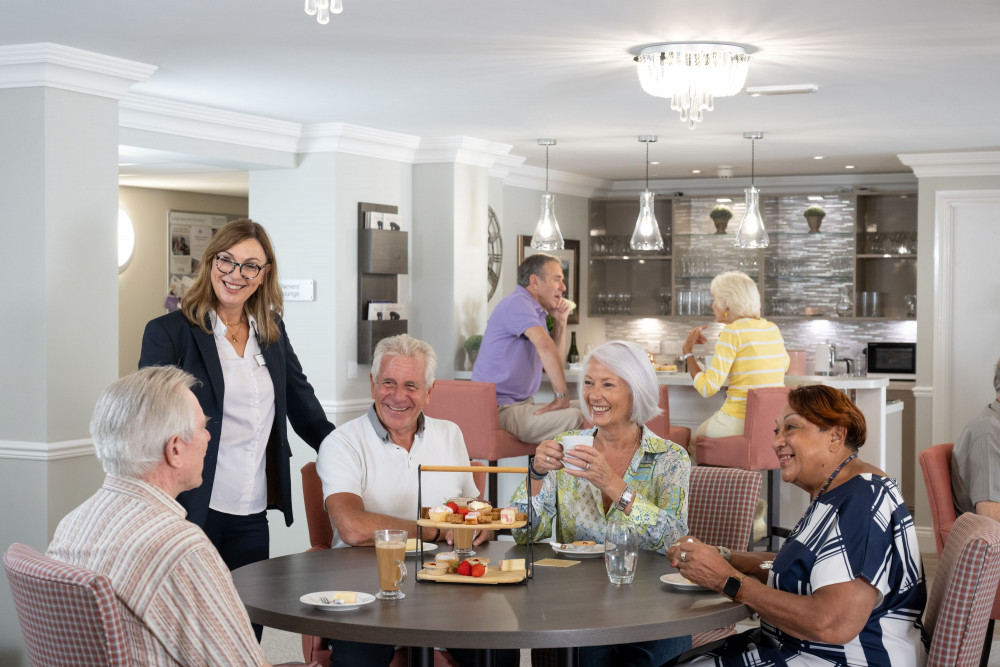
(621, 549)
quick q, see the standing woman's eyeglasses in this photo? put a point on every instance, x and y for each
(248, 270)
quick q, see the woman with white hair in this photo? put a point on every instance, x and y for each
(749, 354)
(629, 470)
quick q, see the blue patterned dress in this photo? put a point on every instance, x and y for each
(859, 529)
(659, 472)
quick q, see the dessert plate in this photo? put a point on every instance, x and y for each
(316, 600)
(574, 551)
(676, 580)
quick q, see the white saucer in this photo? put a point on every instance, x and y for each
(574, 551)
(314, 600)
(676, 580)
(428, 546)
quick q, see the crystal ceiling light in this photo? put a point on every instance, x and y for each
(547, 235)
(751, 233)
(647, 231)
(322, 9)
(692, 75)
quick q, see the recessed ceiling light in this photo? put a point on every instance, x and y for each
(696, 171)
(654, 163)
(794, 89)
(815, 198)
(817, 157)
(848, 166)
(723, 200)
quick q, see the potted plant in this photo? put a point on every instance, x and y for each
(720, 215)
(471, 346)
(814, 216)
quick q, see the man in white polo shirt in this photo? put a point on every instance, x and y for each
(369, 465)
(369, 471)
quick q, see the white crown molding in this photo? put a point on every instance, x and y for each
(504, 165)
(896, 182)
(929, 165)
(194, 121)
(56, 66)
(358, 140)
(560, 182)
(45, 451)
(460, 150)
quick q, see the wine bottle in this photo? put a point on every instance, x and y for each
(574, 355)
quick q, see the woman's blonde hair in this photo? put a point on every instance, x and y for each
(265, 304)
(736, 291)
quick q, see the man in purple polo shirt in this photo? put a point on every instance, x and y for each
(517, 346)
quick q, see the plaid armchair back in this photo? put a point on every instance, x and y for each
(68, 614)
(958, 607)
(721, 504)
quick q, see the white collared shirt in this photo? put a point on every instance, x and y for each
(247, 417)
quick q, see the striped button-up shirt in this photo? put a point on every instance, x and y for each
(749, 354)
(175, 594)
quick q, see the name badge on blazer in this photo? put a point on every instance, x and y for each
(259, 358)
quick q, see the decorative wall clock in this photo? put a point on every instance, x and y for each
(494, 245)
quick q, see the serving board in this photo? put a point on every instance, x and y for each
(495, 525)
(493, 576)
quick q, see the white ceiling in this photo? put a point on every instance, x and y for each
(894, 76)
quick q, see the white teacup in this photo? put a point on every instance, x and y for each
(568, 443)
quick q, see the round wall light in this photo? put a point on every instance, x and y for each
(126, 240)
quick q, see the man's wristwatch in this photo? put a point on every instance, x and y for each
(628, 495)
(686, 356)
(726, 552)
(562, 394)
(732, 587)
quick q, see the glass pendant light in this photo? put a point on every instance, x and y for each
(547, 235)
(647, 231)
(751, 233)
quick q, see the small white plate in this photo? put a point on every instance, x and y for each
(574, 551)
(314, 600)
(677, 580)
(428, 546)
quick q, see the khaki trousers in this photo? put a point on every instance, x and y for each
(521, 420)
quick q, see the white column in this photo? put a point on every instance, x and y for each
(58, 213)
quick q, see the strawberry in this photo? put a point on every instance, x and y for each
(464, 568)
(453, 506)
(463, 510)
(478, 570)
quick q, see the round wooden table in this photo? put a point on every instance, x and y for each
(559, 607)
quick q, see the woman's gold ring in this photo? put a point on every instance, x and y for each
(548, 459)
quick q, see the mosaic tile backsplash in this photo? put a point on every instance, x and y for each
(663, 338)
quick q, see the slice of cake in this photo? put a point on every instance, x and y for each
(348, 598)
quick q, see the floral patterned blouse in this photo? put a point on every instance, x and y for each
(659, 472)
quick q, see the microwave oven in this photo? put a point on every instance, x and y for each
(896, 361)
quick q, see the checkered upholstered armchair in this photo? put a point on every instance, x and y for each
(69, 615)
(958, 608)
(721, 503)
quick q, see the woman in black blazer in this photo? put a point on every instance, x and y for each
(229, 327)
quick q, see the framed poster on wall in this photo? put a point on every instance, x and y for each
(570, 258)
(187, 236)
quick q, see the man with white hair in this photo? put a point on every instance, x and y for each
(975, 460)
(369, 471)
(174, 592)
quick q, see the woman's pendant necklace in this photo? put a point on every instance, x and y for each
(234, 333)
(822, 490)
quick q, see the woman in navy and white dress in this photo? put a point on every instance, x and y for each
(847, 586)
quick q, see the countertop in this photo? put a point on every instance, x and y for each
(677, 378)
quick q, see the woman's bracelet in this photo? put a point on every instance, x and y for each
(437, 535)
(533, 474)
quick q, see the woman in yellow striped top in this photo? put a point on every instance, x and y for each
(749, 354)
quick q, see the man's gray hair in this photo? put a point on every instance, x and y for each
(405, 345)
(136, 416)
(737, 292)
(996, 378)
(534, 266)
(631, 363)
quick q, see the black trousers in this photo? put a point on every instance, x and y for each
(240, 540)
